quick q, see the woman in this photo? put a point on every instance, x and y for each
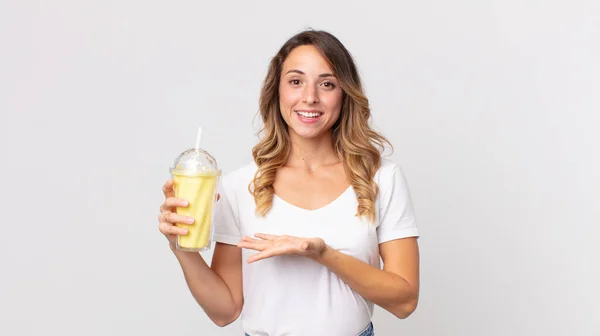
(300, 231)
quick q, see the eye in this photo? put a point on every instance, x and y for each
(295, 82)
(329, 85)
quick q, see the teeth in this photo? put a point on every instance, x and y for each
(308, 114)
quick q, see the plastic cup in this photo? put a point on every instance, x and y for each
(196, 178)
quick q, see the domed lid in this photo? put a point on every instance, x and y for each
(195, 161)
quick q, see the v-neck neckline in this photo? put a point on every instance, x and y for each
(321, 208)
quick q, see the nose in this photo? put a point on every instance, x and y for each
(311, 94)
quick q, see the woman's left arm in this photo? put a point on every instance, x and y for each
(395, 288)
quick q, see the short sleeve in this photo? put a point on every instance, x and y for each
(227, 228)
(396, 214)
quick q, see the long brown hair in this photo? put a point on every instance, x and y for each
(357, 145)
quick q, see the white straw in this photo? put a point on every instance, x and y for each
(198, 137)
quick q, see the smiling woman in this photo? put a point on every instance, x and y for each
(309, 95)
(301, 229)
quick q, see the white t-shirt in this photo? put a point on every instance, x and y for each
(293, 295)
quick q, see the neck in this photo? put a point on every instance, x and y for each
(312, 153)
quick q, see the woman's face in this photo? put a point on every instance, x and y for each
(310, 97)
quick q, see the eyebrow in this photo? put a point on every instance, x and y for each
(302, 73)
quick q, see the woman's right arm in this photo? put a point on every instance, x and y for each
(218, 288)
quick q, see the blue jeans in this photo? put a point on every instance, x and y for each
(370, 331)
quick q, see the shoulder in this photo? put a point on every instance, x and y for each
(239, 178)
(390, 177)
(386, 170)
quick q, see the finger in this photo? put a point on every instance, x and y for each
(263, 255)
(167, 229)
(305, 245)
(259, 243)
(168, 188)
(178, 219)
(250, 239)
(272, 251)
(257, 246)
(164, 208)
(173, 202)
(265, 236)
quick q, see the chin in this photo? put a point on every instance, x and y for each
(308, 134)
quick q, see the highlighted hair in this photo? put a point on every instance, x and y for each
(357, 145)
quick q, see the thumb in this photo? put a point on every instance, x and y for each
(305, 245)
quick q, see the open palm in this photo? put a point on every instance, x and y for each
(273, 245)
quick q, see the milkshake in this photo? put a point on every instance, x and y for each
(196, 178)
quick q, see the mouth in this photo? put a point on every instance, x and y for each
(308, 116)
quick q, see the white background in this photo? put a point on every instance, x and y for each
(493, 108)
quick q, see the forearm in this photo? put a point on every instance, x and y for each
(387, 290)
(207, 288)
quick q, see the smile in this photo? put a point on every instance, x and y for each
(309, 117)
(309, 114)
